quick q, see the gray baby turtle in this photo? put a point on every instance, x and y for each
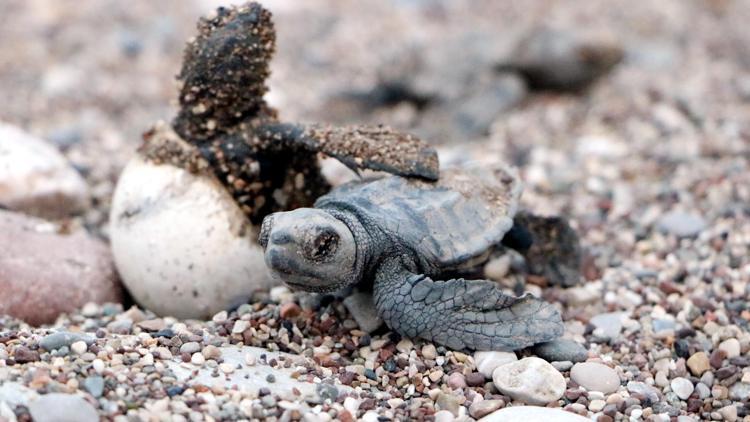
(409, 241)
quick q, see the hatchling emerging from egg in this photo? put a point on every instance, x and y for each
(409, 240)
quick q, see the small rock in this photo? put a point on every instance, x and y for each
(429, 351)
(498, 268)
(94, 385)
(79, 347)
(595, 376)
(739, 391)
(448, 402)
(198, 359)
(36, 178)
(475, 379)
(731, 347)
(405, 345)
(609, 325)
(362, 308)
(698, 363)
(49, 272)
(63, 338)
(23, 354)
(682, 387)
(651, 393)
(153, 325)
(530, 380)
(486, 362)
(597, 405)
(441, 416)
(681, 224)
(561, 350)
(58, 407)
(563, 60)
(190, 347)
(533, 414)
(456, 380)
(483, 408)
(729, 413)
(562, 366)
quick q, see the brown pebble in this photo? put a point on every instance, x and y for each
(290, 310)
(475, 379)
(604, 418)
(725, 372)
(25, 355)
(717, 358)
(345, 416)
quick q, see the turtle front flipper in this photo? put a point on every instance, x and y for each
(463, 314)
(359, 147)
(549, 245)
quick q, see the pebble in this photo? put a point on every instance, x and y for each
(644, 389)
(533, 414)
(608, 325)
(440, 416)
(483, 408)
(448, 402)
(561, 350)
(429, 351)
(486, 362)
(197, 359)
(595, 376)
(58, 407)
(59, 339)
(698, 363)
(79, 347)
(94, 385)
(226, 368)
(190, 347)
(682, 387)
(362, 308)
(23, 354)
(36, 179)
(51, 273)
(731, 347)
(456, 380)
(729, 413)
(597, 405)
(681, 223)
(530, 380)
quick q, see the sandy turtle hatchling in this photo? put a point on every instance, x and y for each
(409, 240)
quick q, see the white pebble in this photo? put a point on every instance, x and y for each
(79, 347)
(197, 359)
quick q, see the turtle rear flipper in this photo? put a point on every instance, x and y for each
(360, 147)
(463, 314)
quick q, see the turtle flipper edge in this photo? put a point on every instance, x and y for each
(463, 314)
(360, 147)
(554, 251)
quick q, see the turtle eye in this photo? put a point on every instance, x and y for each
(323, 246)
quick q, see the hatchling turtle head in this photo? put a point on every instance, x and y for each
(309, 249)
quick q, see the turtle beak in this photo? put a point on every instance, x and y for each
(265, 231)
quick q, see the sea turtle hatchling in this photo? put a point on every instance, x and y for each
(407, 239)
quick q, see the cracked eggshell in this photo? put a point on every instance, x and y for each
(181, 244)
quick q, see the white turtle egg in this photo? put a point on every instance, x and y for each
(181, 244)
